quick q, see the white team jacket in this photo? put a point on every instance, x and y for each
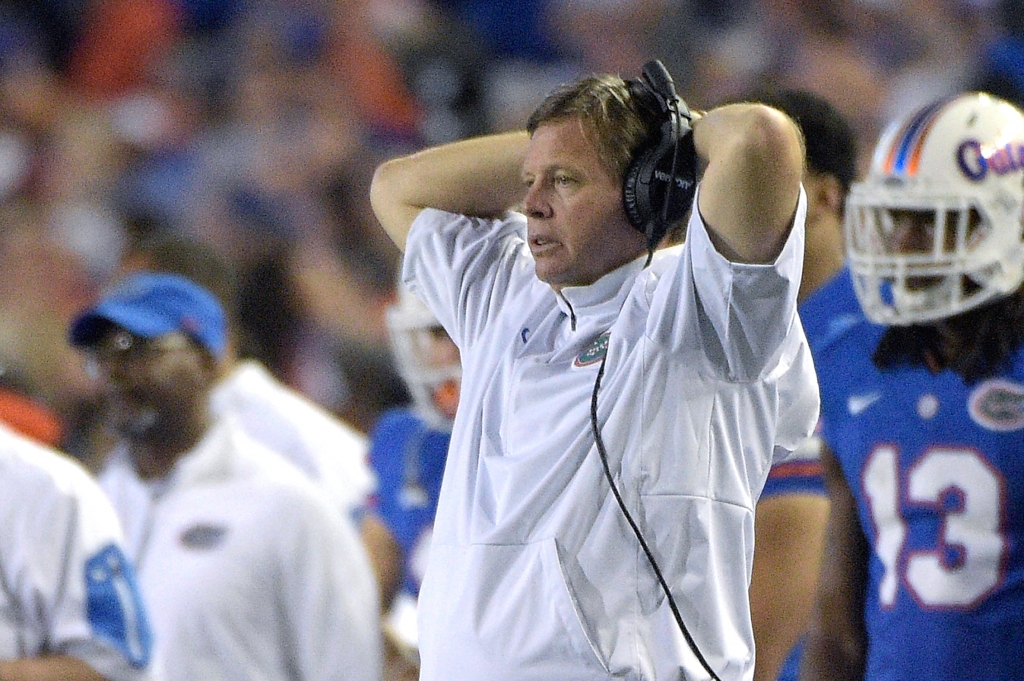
(327, 449)
(66, 587)
(248, 570)
(534, 574)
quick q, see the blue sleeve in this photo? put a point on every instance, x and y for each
(796, 477)
(389, 442)
(114, 605)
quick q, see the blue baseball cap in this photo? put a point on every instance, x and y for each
(149, 305)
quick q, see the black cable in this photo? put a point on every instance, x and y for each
(636, 530)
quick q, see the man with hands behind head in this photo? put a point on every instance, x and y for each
(561, 528)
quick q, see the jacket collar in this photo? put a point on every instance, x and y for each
(598, 304)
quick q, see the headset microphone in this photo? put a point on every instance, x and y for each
(659, 184)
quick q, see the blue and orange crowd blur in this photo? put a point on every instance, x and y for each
(255, 126)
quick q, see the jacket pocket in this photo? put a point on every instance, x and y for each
(496, 609)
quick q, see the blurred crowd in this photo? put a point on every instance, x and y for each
(254, 127)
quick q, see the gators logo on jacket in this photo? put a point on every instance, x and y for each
(594, 353)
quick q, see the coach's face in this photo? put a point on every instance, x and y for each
(156, 388)
(576, 225)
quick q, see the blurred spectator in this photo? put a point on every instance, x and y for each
(248, 568)
(42, 283)
(52, 26)
(23, 412)
(444, 63)
(522, 55)
(1001, 70)
(369, 73)
(608, 36)
(121, 43)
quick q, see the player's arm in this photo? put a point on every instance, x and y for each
(836, 639)
(788, 538)
(386, 557)
(478, 176)
(49, 668)
(751, 184)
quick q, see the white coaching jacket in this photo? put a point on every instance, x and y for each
(534, 573)
(331, 452)
(66, 587)
(248, 569)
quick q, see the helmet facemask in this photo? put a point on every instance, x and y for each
(427, 359)
(942, 235)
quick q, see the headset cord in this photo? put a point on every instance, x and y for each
(636, 530)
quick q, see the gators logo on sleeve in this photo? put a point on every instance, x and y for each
(114, 605)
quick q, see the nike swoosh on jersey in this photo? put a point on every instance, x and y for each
(858, 403)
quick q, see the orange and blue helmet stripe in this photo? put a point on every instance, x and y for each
(904, 153)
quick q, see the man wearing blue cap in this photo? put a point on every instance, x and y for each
(247, 569)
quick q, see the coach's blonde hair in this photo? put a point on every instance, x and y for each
(607, 110)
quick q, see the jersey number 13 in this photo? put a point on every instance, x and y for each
(964, 494)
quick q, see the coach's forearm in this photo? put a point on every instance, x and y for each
(751, 185)
(48, 668)
(479, 176)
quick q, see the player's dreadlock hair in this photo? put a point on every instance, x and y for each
(988, 337)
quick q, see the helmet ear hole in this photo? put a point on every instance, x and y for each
(660, 181)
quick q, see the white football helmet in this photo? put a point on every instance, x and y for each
(433, 377)
(935, 229)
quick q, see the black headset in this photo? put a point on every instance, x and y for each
(657, 190)
(659, 184)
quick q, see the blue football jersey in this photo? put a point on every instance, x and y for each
(937, 468)
(408, 457)
(829, 311)
(832, 308)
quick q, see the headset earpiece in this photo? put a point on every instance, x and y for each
(659, 184)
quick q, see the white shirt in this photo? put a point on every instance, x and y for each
(248, 570)
(328, 450)
(533, 573)
(66, 587)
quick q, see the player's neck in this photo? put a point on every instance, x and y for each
(947, 344)
(823, 256)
